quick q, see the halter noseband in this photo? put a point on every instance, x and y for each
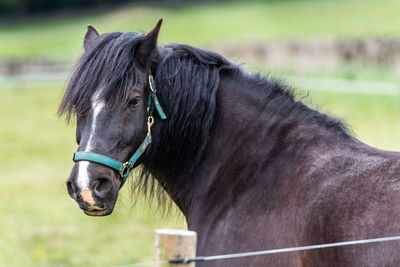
(124, 168)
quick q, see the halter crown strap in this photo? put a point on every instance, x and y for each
(124, 168)
(153, 94)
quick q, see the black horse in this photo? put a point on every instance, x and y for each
(250, 167)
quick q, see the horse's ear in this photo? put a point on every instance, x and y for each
(90, 35)
(147, 47)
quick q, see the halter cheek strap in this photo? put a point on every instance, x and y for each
(124, 168)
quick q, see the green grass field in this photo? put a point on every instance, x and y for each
(41, 226)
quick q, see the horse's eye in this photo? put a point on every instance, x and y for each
(134, 102)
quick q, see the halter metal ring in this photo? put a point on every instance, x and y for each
(150, 121)
(125, 170)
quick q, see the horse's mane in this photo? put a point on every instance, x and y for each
(187, 79)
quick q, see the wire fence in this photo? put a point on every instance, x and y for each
(302, 82)
(264, 252)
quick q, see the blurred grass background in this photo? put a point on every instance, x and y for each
(41, 226)
(206, 24)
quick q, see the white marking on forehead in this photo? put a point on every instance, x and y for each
(83, 173)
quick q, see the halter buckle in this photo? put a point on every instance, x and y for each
(151, 83)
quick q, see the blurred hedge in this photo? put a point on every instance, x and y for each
(26, 7)
(9, 8)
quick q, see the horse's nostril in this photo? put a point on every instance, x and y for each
(71, 189)
(102, 187)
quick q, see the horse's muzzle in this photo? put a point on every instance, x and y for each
(99, 196)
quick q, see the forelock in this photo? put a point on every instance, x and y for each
(106, 70)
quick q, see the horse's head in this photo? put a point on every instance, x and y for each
(109, 93)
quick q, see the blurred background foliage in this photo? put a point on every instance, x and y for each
(342, 56)
(28, 7)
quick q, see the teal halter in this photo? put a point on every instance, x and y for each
(124, 168)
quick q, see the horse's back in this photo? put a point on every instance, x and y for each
(360, 201)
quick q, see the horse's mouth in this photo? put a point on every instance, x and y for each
(97, 211)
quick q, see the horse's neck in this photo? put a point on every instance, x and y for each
(252, 144)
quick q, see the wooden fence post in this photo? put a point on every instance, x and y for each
(175, 244)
